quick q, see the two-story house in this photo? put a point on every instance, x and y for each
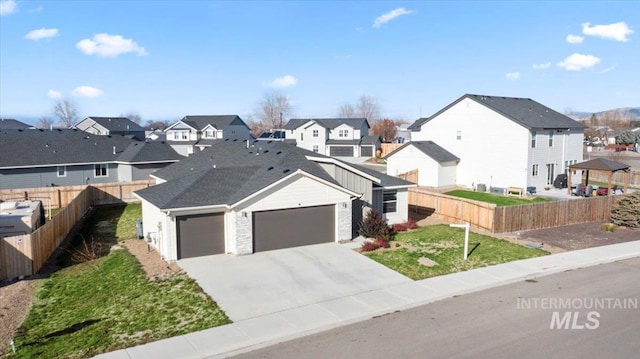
(499, 141)
(115, 126)
(335, 137)
(200, 132)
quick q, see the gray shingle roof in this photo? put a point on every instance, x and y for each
(327, 122)
(11, 124)
(600, 164)
(227, 172)
(524, 111)
(31, 148)
(430, 149)
(117, 124)
(220, 122)
(385, 180)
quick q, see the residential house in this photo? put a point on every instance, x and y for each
(335, 137)
(200, 132)
(436, 166)
(503, 141)
(111, 126)
(66, 157)
(243, 197)
(11, 124)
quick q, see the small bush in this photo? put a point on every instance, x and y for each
(369, 246)
(374, 226)
(405, 226)
(608, 227)
(411, 224)
(382, 243)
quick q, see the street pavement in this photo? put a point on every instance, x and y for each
(519, 320)
(257, 332)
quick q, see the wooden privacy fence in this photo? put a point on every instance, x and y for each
(59, 197)
(514, 218)
(24, 255)
(618, 177)
(411, 176)
(387, 148)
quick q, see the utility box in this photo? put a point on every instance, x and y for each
(139, 230)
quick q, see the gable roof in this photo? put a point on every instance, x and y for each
(11, 124)
(385, 180)
(220, 122)
(429, 148)
(524, 111)
(115, 124)
(329, 123)
(228, 172)
(44, 148)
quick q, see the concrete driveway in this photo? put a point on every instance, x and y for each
(263, 283)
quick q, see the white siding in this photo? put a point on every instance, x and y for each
(154, 226)
(309, 141)
(430, 172)
(402, 208)
(334, 134)
(493, 149)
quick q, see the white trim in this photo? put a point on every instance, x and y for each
(175, 124)
(344, 166)
(298, 172)
(95, 170)
(58, 172)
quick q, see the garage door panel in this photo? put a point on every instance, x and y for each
(366, 151)
(293, 227)
(341, 151)
(200, 235)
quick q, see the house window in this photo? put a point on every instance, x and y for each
(533, 139)
(181, 135)
(62, 171)
(550, 138)
(100, 170)
(458, 135)
(315, 133)
(535, 170)
(343, 133)
(208, 134)
(301, 136)
(315, 148)
(389, 201)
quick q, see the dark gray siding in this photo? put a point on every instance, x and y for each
(377, 201)
(47, 176)
(142, 172)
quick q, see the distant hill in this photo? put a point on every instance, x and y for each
(632, 112)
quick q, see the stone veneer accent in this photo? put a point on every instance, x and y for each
(344, 221)
(244, 233)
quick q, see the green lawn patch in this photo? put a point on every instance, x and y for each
(445, 246)
(493, 198)
(108, 303)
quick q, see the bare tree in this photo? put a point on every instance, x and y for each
(346, 111)
(367, 107)
(273, 110)
(45, 122)
(156, 125)
(386, 129)
(66, 112)
(133, 116)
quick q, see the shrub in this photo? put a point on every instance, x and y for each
(411, 224)
(382, 243)
(369, 246)
(374, 226)
(401, 227)
(608, 227)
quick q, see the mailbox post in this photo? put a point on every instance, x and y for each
(466, 237)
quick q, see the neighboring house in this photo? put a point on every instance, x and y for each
(436, 166)
(273, 135)
(111, 126)
(200, 132)
(244, 197)
(403, 133)
(503, 141)
(42, 158)
(11, 124)
(335, 137)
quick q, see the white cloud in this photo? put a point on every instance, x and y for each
(385, 18)
(8, 7)
(40, 34)
(577, 62)
(284, 81)
(617, 31)
(107, 45)
(86, 91)
(54, 94)
(574, 39)
(512, 75)
(608, 69)
(544, 66)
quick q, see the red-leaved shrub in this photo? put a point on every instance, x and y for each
(369, 246)
(382, 243)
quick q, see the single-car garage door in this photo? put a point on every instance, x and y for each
(366, 151)
(200, 235)
(293, 227)
(341, 151)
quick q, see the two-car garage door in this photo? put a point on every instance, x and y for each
(293, 227)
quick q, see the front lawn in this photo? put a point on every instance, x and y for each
(445, 246)
(108, 303)
(493, 198)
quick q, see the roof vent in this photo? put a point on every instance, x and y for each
(270, 168)
(286, 171)
(279, 152)
(265, 151)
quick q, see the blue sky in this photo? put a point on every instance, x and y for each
(167, 59)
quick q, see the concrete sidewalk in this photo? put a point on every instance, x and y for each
(252, 333)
